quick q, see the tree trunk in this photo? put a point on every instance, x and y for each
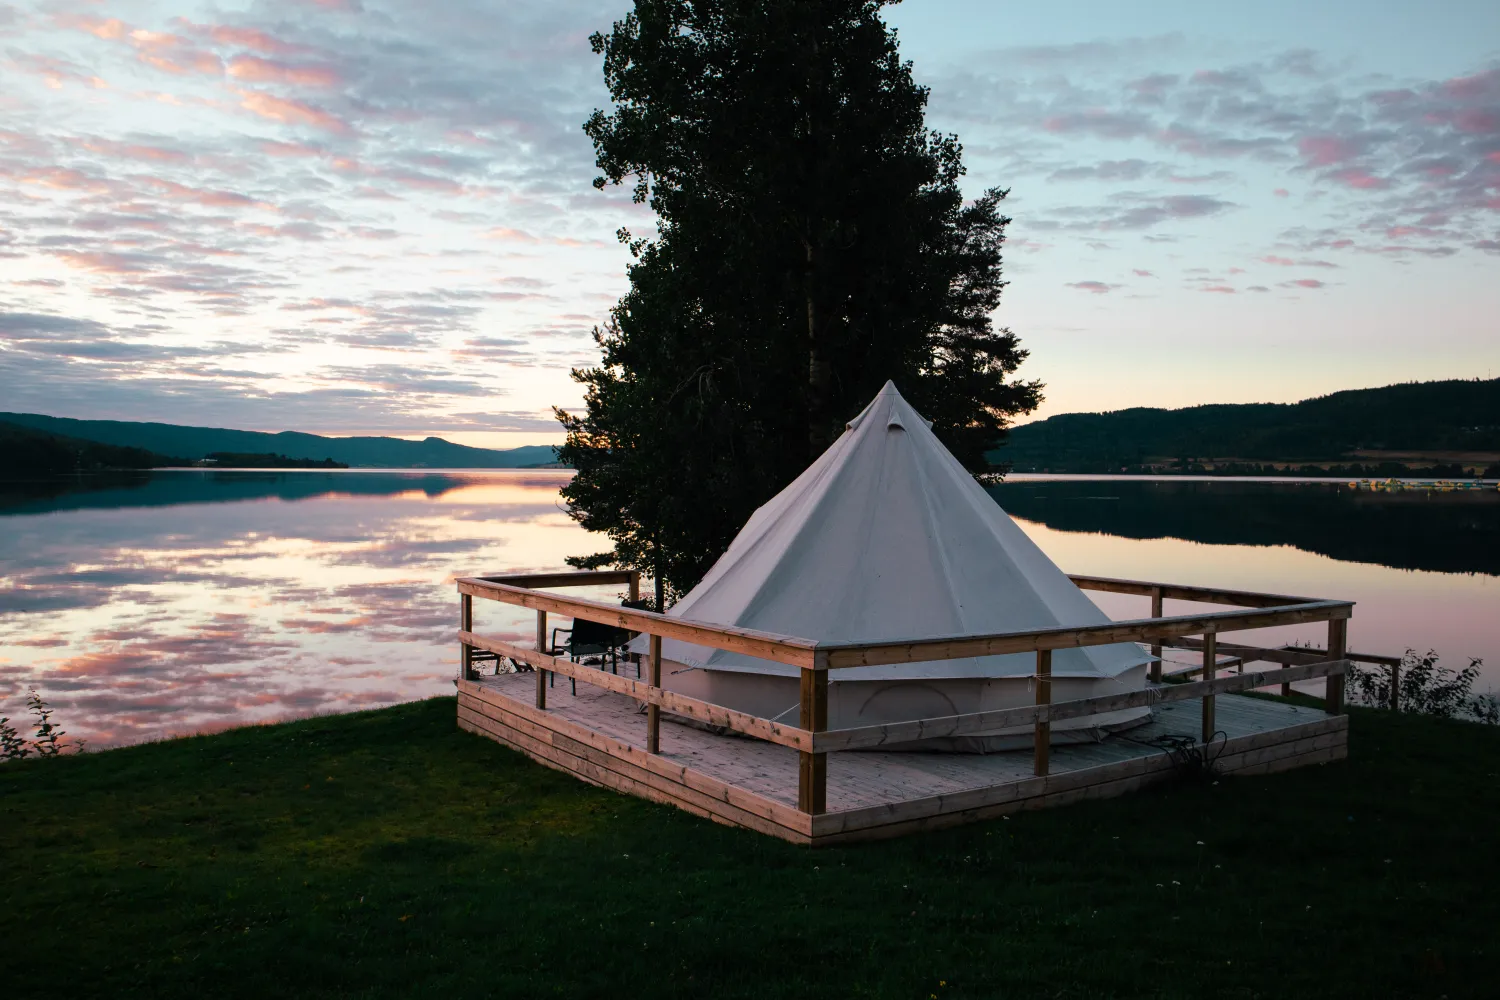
(819, 365)
(819, 369)
(661, 585)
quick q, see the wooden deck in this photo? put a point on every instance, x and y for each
(601, 737)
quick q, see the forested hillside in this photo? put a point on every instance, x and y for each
(1347, 428)
(194, 443)
(30, 452)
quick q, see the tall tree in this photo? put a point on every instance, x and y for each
(812, 243)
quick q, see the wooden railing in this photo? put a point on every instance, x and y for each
(812, 739)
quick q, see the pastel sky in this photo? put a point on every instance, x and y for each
(376, 216)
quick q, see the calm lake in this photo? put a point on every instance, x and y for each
(176, 602)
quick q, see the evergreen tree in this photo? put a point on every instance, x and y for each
(812, 243)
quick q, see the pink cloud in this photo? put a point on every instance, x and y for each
(1220, 289)
(250, 38)
(1288, 262)
(1358, 178)
(515, 235)
(273, 147)
(145, 39)
(1474, 86)
(1107, 124)
(173, 53)
(422, 182)
(1324, 150)
(1438, 170)
(106, 28)
(181, 63)
(201, 196)
(56, 72)
(163, 50)
(1282, 193)
(64, 179)
(1143, 274)
(1477, 121)
(1093, 287)
(134, 151)
(1307, 283)
(258, 70)
(290, 112)
(468, 135)
(102, 261)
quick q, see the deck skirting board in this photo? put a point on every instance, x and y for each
(573, 747)
(548, 727)
(603, 761)
(1074, 786)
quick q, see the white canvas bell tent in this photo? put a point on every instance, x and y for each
(887, 537)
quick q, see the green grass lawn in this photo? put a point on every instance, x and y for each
(390, 854)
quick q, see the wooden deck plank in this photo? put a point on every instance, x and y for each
(874, 793)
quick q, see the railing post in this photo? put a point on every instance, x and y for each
(541, 647)
(466, 624)
(1042, 738)
(812, 768)
(1210, 658)
(1338, 638)
(1156, 648)
(1395, 687)
(635, 585)
(653, 712)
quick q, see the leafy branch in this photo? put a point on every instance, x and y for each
(47, 741)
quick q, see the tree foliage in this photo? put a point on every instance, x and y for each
(1454, 415)
(812, 242)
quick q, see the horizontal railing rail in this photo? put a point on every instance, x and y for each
(692, 708)
(866, 737)
(812, 739)
(1182, 592)
(764, 645)
(1290, 655)
(578, 578)
(862, 654)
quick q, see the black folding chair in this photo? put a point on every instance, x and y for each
(586, 638)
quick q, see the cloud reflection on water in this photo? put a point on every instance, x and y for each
(149, 620)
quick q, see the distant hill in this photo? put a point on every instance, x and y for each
(239, 460)
(194, 443)
(1452, 426)
(29, 452)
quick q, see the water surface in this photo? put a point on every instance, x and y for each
(175, 602)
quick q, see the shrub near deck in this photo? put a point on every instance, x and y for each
(389, 854)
